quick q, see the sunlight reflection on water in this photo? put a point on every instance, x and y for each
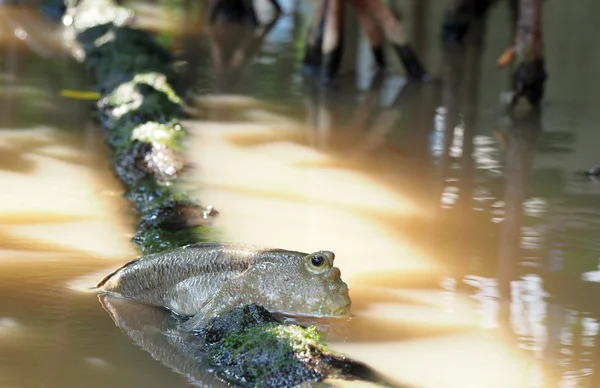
(421, 206)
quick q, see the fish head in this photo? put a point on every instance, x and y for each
(304, 285)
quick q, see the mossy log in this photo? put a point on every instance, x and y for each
(139, 113)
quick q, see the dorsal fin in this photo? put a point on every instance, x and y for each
(110, 275)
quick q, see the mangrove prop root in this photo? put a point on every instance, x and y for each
(313, 56)
(529, 79)
(411, 62)
(530, 75)
(456, 20)
(459, 15)
(378, 21)
(332, 44)
(373, 32)
(394, 31)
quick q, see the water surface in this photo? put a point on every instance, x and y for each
(435, 202)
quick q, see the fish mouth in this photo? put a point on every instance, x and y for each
(342, 311)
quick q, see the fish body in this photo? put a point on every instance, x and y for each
(206, 279)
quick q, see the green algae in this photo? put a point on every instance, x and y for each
(263, 351)
(287, 339)
(132, 91)
(170, 135)
(249, 347)
(147, 97)
(147, 195)
(108, 55)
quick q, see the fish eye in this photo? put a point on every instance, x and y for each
(317, 262)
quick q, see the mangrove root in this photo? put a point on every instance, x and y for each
(528, 82)
(530, 74)
(458, 17)
(325, 36)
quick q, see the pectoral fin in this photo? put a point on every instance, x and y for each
(228, 297)
(188, 297)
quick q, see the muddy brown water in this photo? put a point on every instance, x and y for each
(430, 196)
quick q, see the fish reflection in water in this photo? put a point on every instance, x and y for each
(154, 330)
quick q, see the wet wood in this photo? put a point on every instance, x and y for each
(459, 15)
(455, 23)
(379, 24)
(394, 32)
(411, 62)
(528, 44)
(530, 76)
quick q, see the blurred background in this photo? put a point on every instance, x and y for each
(465, 231)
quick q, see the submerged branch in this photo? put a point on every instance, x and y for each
(138, 111)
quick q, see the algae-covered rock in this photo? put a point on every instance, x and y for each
(164, 163)
(142, 160)
(126, 92)
(138, 118)
(269, 355)
(147, 97)
(169, 135)
(148, 194)
(129, 163)
(160, 205)
(249, 347)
